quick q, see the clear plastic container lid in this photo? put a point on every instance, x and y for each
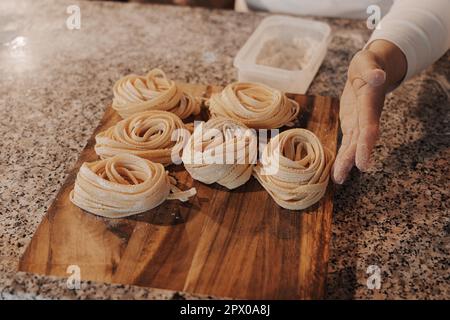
(284, 53)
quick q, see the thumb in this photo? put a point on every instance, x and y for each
(374, 77)
(365, 69)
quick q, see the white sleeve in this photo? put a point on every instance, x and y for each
(421, 29)
(323, 8)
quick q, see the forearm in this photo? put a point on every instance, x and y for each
(420, 29)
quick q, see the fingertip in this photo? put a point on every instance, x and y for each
(338, 180)
(362, 160)
(362, 166)
(334, 174)
(376, 77)
(339, 174)
(344, 162)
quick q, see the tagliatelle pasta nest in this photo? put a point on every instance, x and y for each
(255, 105)
(133, 94)
(221, 150)
(295, 169)
(158, 136)
(124, 185)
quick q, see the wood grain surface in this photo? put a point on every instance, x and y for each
(237, 244)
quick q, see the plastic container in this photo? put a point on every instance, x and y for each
(287, 30)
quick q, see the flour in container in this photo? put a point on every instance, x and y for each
(289, 54)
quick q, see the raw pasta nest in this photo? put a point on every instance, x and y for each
(158, 136)
(133, 94)
(223, 151)
(255, 105)
(295, 169)
(124, 185)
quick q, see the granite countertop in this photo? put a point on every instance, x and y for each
(55, 84)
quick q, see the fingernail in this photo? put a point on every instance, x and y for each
(378, 77)
(340, 173)
(339, 179)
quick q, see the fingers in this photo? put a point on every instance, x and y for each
(370, 100)
(368, 84)
(361, 104)
(345, 158)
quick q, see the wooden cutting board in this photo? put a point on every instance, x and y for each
(236, 244)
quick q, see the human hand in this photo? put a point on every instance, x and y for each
(371, 72)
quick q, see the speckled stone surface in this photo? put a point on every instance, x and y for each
(55, 84)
